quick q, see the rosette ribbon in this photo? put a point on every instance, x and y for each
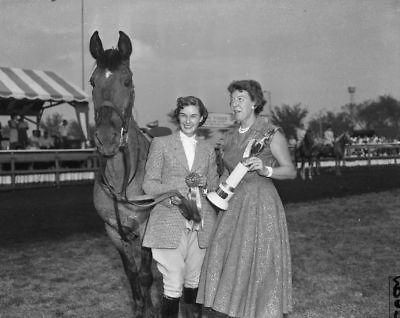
(193, 181)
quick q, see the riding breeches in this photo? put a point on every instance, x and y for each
(181, 266)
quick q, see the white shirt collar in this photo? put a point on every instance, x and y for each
(185, 138)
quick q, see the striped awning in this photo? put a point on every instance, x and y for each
(38, 85)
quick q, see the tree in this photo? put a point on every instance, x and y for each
(381, 115)
(51, 123)
(340, 122)
(289, 118)
(75, 130)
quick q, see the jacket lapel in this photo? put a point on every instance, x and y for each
(178, 151)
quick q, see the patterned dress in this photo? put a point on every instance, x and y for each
(247, 269)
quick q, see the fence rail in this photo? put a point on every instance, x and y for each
(29, 168)
(21, 168)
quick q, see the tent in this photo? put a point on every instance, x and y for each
(29, 92)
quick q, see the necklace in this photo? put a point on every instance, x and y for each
(243, 130)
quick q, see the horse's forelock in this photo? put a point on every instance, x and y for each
(111, 59)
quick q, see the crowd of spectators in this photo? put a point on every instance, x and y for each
(373, 140)
(17, 136)
(370, 150)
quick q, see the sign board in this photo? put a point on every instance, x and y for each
(219, 120)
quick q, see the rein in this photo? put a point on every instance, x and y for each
(139, 201)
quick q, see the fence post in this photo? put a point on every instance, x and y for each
(368, 156)
(12, 166)
(57, 172)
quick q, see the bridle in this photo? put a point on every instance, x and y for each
(125, 118)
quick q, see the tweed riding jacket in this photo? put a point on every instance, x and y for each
(166, 169)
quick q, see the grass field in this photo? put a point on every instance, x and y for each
(343, 251)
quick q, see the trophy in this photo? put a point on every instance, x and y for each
(225, 191)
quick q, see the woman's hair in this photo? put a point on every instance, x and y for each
(182, 102)
(253, 88)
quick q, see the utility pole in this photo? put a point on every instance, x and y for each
(82, 44)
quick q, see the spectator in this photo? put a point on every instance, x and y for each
(22, 132)
(46, 141)
(35, 139)
(13, 125)
(63, 130)
(329, 137)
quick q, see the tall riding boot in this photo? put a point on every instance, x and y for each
(169, 307)
(193, 310)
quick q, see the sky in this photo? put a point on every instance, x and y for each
(305, 52)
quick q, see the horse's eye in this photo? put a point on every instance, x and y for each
(128, 82)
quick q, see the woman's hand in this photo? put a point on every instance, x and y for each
(175, 200)
(254, 164)
(203, 181)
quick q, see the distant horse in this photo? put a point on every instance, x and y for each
(312, 151)
(306, 152)
(337, 152)
(118, 195)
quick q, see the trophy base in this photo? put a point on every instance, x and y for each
(217, 200)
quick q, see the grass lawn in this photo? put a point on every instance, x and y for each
(343, 251)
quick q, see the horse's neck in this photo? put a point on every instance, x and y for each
(133, 158)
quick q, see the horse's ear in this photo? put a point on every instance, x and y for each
(124, 45)
(96, 47)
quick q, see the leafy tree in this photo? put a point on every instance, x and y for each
(340, 122)
(51, 123)
(383, 116)
(75, 130)
(289, 118)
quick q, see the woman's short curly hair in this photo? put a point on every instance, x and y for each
(253, 88)
(182, 102)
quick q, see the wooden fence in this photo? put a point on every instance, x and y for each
(30, 168)
(21, 168)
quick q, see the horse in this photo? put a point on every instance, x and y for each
(306, 152)
(336, 151)
(123, 148)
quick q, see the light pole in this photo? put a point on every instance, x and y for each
(82, 44)
(351, 90)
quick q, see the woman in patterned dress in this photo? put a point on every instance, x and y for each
(247, 268)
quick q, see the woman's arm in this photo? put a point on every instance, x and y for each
(212, 174)
(152, 182)
(280, 151)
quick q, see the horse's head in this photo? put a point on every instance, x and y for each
(113, 93)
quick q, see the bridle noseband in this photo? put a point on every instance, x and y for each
(125, 117)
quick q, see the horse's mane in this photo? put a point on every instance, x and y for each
(110, 59)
